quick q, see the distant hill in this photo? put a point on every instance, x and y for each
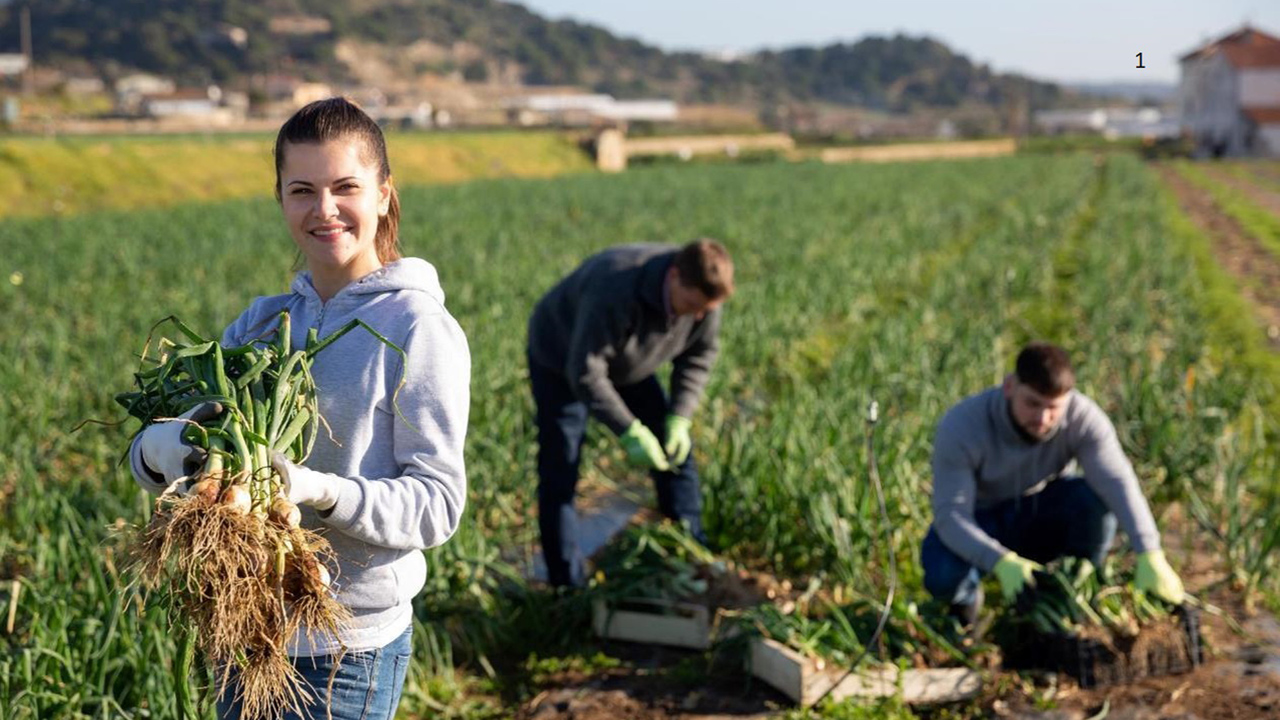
(225, 41)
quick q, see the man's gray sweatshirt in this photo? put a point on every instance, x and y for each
(980, 459)
(608, 324)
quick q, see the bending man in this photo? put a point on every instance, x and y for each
(595, 341)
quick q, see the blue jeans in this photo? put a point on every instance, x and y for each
(366, 687)
(562, 425)
(1066, 519)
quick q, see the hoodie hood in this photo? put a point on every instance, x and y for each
(409, 273)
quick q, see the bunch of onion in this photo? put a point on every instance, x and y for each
(1071, 597)
(225, 548)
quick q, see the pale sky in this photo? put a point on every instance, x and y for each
(1068, 40)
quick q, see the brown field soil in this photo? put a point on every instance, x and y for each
(654, 682)
(1240, 678)
(1259, 194)
(1268, 171)
(1256, 271)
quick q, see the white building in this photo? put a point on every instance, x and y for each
(587, 109)
(182, 103)
(12, 63)
(1230, 95)
(1111, 123)
(559, 103)
(640, 110)
(144, 84)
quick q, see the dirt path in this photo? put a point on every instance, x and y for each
(654, 683)
(1257, 193)
(1265, 171)
(1255, 270)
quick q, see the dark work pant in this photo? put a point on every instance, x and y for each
(1066, 519)
(562, 424)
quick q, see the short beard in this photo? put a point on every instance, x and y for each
(1027, 437)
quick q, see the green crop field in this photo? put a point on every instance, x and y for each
(912, 285)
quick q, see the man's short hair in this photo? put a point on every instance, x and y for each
(705, 264)
(1045, 368)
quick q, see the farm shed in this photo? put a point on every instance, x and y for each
(1230, 95)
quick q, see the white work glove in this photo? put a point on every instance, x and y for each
(159, 456)
(306, 487)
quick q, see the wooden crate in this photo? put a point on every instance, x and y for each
(805, 679)
(658, 622)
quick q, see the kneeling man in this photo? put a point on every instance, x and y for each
(1027, 472)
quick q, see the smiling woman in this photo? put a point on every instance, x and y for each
(381, 486)
(336, 192)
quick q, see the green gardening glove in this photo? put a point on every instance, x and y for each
(1154, 575)
(1014, 573)
(678, 441)
(642, 447)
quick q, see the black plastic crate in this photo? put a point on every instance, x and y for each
(1095, 664)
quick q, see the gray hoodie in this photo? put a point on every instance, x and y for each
(403, 485)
